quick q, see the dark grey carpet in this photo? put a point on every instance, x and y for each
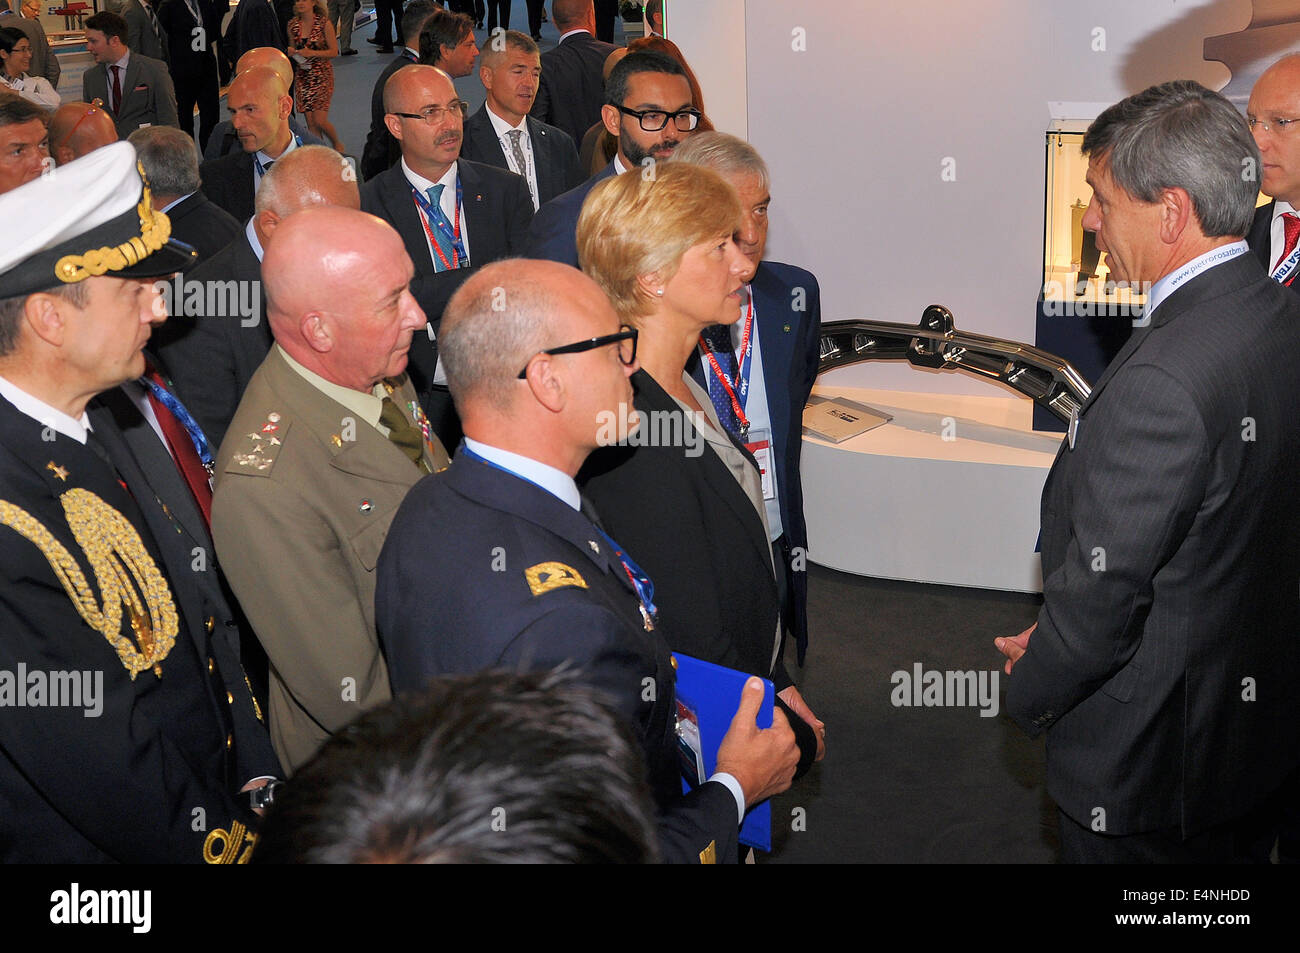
(909, 784)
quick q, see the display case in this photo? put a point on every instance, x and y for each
(1074, 271)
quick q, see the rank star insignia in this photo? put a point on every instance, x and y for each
(275, 441)
(270, 428)
(595, 547)
(336, 440)
(58, 471)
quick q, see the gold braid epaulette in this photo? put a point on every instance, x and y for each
(155, 229)
(124, 570)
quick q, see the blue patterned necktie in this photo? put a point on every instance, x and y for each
(718, 337)
(435, 202)
(169, 400)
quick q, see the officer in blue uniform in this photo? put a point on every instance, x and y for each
(538, 366)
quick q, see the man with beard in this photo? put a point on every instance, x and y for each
(449, 211)
(648, 109)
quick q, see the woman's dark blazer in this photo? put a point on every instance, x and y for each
(687, 522)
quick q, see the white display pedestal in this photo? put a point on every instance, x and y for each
(947, 492)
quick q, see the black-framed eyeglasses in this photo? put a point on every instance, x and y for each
(435, 114)
(652, 120)
(626, 339)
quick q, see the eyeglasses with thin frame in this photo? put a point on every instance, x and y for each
(1278, 126)
(652, 120)
(626, 339)
(435, 114)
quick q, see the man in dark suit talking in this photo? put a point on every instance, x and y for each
(1164, 660)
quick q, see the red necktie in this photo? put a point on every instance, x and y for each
(182, 449)
(117, 88)
(1291, 230)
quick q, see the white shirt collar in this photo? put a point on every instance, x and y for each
(171, 205)
(553, 481)
(565, 36)
(1280, 208)
(265, 159)
(254, 240)
(122, 62)
(501, 126)
(1170, 283)
(619, 167)
(46, 415)
(448, 180)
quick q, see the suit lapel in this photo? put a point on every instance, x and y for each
(548, 170)
(485, 139)
(482, 215)
(772, 315)
(395, 193)
(726, 490)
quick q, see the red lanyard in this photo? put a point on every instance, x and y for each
(455, 245)
(745, 341)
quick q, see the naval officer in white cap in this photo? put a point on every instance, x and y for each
(125, 735)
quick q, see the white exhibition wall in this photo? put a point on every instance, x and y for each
(906, 141)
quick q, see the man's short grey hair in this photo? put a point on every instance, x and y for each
(11, 311)
(168, 156)
(492, 327)
(306, 177)
(725, 154)
(1182, 135)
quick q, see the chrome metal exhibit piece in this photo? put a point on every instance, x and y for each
(1048, 380)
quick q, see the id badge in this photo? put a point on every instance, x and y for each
(690, 750)
(760, 445)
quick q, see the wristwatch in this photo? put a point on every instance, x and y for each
(263, 797)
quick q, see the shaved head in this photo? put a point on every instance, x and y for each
(75, 131)
(501, 321)
(259, 105)
(338, 295)
(267, 56)
(408, 88)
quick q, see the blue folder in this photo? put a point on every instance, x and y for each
(713, 692)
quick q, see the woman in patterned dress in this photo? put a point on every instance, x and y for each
(312, 44)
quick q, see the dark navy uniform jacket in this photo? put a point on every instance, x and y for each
(152, 776)
(529, 584)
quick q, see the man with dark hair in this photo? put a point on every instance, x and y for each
(157, 728)
(254, 23)
(136, 88)
(571, 90)
(649, 109)
(539, 367)
(502, 133)
(193, 28)
(496, 767)
(381, 149)
(172, 168)
(1164, 661)
(24, 141)
(447, 42)
(452, 214)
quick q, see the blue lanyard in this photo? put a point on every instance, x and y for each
(262, 169)
(168, 400)
(645, 589)
(434, 214)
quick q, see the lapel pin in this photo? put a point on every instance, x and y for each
(366, 506)
(594, 547)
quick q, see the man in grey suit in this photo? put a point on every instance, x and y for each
(144, 32)
(136, 88)
(1163, 664)
(502, 133)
